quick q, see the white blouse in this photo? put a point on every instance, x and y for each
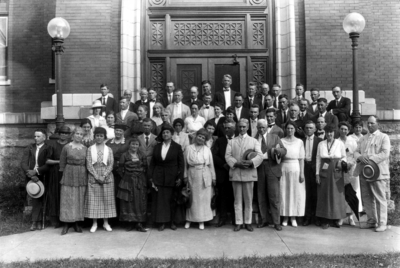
(338, 150)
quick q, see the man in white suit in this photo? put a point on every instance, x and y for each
(177, 109)
(375, 146)
(243, 173)
(207, 111)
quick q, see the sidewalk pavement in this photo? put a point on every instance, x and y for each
(209, 243)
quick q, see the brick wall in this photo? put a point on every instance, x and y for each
(92, 49)
(329, 54)
(29, 56)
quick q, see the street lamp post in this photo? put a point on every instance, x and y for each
(58, 29)
(354, 24)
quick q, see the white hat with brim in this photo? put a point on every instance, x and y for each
(97, 104)
(35, 189)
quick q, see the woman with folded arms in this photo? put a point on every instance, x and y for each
(200, 175)
(331, 203)
(100, 198)
(73, 183)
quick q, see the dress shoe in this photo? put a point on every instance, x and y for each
(39, 225)
(381, 228)
(306, 222)
(93, 229)
(173, 226)
(161, 227)
(369, 226)
(325, 226)
(294, 223)
(187, 225)
(351, 221)
(65, 229)
(340, 222)
(201, 225)
(317, 222)
(278, 227)
(220, 223)
(336, 224)
(131, 228)
(284, 222)
(262, 225)
(77, 228)
(107, 227)
(56, 225)
(33, 226)
(249, 227)
(139, 228)
(237, 228)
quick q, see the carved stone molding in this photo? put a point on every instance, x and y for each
(157, 34)
(156, 3)
(208, 34)
(258, 33)
(257, 2)
(157, 76)
(259, 71)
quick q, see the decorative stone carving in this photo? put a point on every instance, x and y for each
(259, 69)
(157, 76)
(188, 77)
(257, 2)
(157, 34)
(258, 33)
(157, 2)
(208, 34)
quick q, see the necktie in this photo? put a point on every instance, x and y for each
(263, 145)
(337, 103)
(270, 126)
(251, 101)
(301, 115)
(147, 141)
(104, 101)
(284, 116)
(226, 89)
(170, 98)
(207, 107)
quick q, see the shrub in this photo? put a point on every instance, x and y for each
(12, 190)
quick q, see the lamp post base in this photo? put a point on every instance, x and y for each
(60, 121)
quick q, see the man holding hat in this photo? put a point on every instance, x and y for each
(372, 154)
(243, 172)
(34, 165)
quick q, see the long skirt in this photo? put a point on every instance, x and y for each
(100, 201)
(72, 203)
(331, 202)
(200, 210)
(53, 191)
(161, 204)
(293, 193)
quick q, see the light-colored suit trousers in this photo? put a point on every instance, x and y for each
(373, 195)
(243, 192)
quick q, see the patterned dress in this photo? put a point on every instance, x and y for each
(73, 183)
(100, 198)
(133, 188)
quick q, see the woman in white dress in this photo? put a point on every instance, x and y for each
(351, 145)
(200, 176)
(195, 121)
(96, 119)
(180, 137)
(357, 129)
(293, 189)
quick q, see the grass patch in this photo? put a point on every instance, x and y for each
(299, 260)
(14, 224)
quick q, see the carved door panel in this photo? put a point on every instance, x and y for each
(187, 73)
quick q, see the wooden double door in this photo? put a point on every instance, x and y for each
(188, 72)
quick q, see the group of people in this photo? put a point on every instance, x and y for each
(222, 154)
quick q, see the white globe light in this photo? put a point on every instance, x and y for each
(58, 28)
(354, 23)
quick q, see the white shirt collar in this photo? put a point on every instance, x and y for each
(323, 114)
(243, 136)
(39, 146)
(311, 137)
(338, 100)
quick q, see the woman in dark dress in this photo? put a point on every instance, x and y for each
(132, 190)
(165, 172)
(55, 176)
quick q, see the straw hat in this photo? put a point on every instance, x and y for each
(97, 104)
(371, 171)
(249, 154)
(35, 189)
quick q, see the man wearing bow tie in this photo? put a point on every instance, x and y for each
(143, 99)
(270, 116)
(226, 97)
(251, 97)
(207, 111)
(110, 103)
(320, 133)
(330, 119)
(313, 107)
(340, 106)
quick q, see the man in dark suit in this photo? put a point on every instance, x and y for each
(229, 117)
(282, 114)
(340, 106)
(143, 100)
(269, 173)
(304, 115)
(253, 118)
(294, 117)
(224, 186)
(206, 89)
(330, 119)
(227, 96)
(262, 95)
(194, 93)
(272, 127)
(110, 103)
(251, 97)
(310, 147)
(313, 107)
(168, 96)
(34, 165)
(299, 94)
(276, 91)
(240, 111)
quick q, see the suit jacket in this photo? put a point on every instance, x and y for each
(234, 153)
(164, 99)
(249, 131)
(28, 160)
(378, 151)
(263, 113)
(189, 101)
(132, 107)
(211, 113)
(166, 172)
(296, 100)
(279, 119)
(147, 150)
(246, 102)
(111, 105)
(316, 141)
(218, 151)
(138, 103)
(220, 130)
(343, 106)
(244, 113)
(307, 117)
(262, 105)
(272, 141)
(311, 110)
(330, 119)
(129, 118)
(136, 128)
(219, 97)
(277, 131)
(185, 112)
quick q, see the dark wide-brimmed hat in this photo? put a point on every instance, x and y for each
(64, 129)
(121, 126)
(35, 189)
(166, 126)
(371, 171)
(249, 154)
